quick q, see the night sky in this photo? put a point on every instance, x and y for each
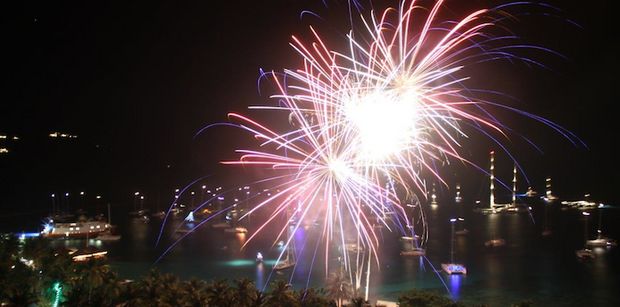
(135, 81)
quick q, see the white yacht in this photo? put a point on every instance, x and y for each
(288, 261)
(601, 241)
(90, 229)
(495, 243)
(585, 254)
(452, 267)
(580, 204)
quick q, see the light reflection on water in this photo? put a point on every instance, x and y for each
(529, 266)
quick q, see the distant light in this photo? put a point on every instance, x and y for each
(81, 193)
(585, 213)
(67, 194)
(192, 193)
(204, 187)
(53, 195)
(98, 197)
(176, 190)
(137, 193)
(452, 220)
(4, 150)
(190, 217)
(461, 219)
(15, 138)
(141, 197)
(2, 136)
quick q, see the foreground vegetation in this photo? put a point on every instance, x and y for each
(51, 278)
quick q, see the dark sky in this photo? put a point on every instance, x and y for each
(139, 78)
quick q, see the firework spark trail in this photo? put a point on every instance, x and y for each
(382, 111)
(402, 85)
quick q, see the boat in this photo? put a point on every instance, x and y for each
(139, 213)
(434, 198)
(88, 253)
(416, 251)
(159, 214)
(601, 241)
(411, 247)
(495, 243)
(453, 268)
(530, 192)
(493, 207)
(289, 253)
(514, 206)
(88, 229)
(580, 204)
(236, 229)
(585, 253)
(549, 197)
(108, 236)
(458, 199)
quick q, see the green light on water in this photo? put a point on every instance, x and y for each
(239, 262)
(246, 262)
(57, 288)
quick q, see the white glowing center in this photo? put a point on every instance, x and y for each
(339, 169)
(386, 122)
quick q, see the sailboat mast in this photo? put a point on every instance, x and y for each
(600, 222)
(109, 216)
(514, 185)
(452, 242)
(585, 228)
(492, 176)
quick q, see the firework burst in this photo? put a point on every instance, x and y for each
(367, 124)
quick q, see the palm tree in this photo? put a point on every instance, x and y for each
(194, 293)
(146, 292)
(310, 297)
(339, 288)
(425, 298)
(20, 287)
(219, 294)
(260, 299)
(171, 294)
(244, 292)
(91, 275)
(358, 302)
(281, 295)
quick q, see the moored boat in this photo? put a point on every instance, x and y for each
(90, 229)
